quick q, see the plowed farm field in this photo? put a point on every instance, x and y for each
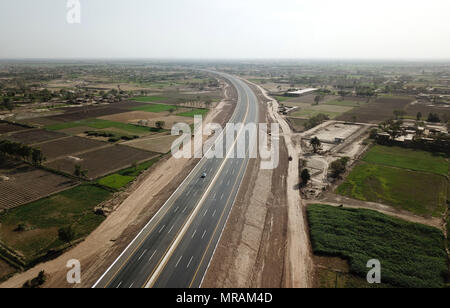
(69, 146)
(104, 161)
(21, 184)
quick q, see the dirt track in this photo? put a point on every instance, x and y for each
(298, 259)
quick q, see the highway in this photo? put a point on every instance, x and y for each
(175, 248)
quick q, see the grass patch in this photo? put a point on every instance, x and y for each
(124, 177)
(408, 159)
(282, 98)
(43, 218)
(411, 255)
(155, 108)
(99, 124)
(149, 99)
(420, 193)
(192, 113)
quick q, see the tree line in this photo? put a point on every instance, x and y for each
(22, 152)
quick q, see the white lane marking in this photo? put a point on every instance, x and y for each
(184, 209)
(228, 183)
(214, 196)
(205, 213)
(176, 265)
(204, 233)
(162, 229)
(194, 233)
(214, 214)
(156, 216)
(142, 254)
(221, 197)
(119, 285)
(131, 285)
(171, 229)
(190, 262)
(176, 210)
(152, 256)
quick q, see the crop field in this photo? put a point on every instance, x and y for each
(348, 102)
(100, 124)
(104, 161)
(124, 177)
(420, 193)
(34, 136)
(42, 220)
(411, 255)
(90, 112)
(23, 184)
(194, 112)
(413, 109)
(155, 108)
(149, 99)
(158, 144)
(9, 128)
(377, 110)
(408, 159)
(69, 146)
(297, 124)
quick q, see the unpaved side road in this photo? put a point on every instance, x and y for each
(298, 260)
(251, 251)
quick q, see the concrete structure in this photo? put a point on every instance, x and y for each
(299, 93)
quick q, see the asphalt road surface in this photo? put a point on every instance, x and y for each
(176, 246)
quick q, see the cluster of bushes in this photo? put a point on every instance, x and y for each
(437, 145)
(20, 151)
(411, 255)
(339, 167)
(112, 137)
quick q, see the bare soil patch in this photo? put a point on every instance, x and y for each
(103, 161)
(160, 144)
(34, 136)
(9, 128)
(68, 146)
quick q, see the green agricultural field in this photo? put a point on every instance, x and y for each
(149, 99)
(282, 98)
(192, 113)
(124, 177)
(418, 192)
(42, 220)
(100, 124)
(408, 159)
(411, 255)
(155, 108)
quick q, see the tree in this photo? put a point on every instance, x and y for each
(419, 116)
(160, 124)
(8, 104)
(339, 167)
(316, 144)
(399, 114)
(305, 177)
(78, 172)
(318, 99)
(67, 234)
(433, 118)
(37, 157)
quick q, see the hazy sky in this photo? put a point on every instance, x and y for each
(227, 29)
